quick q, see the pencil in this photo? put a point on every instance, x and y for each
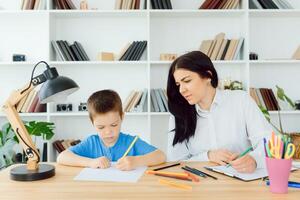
(130, 146)
(175, 177)
(201, 172)
(244, 153)
(174, 184)
(165, 167)
(183, 175)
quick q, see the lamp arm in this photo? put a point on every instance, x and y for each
(13, 117)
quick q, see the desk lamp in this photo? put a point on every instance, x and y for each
(54, 86)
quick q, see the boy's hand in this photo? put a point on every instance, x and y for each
(101, 162)
(127, 163)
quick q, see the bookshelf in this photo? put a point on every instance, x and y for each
(167, 31)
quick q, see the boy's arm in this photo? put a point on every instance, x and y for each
(67, 157)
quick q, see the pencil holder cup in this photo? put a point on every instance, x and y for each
(279, 172)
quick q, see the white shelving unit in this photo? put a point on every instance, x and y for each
(273, 34)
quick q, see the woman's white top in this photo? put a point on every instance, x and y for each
(234, 122)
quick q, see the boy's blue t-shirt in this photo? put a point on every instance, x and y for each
(93, 147)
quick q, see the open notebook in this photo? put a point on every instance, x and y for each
(257, 174)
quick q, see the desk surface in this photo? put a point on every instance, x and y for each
(62, 186)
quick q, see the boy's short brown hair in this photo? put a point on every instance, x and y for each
(104, 101)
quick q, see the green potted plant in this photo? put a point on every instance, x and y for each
(294, 137)
(283, 97)
(8, 138)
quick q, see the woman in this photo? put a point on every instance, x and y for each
(209, 124)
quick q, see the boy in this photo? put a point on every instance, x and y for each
(96, 151)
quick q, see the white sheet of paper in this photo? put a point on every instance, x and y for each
(258, 173)
(111, 174)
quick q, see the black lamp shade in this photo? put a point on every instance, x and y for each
(57, 88)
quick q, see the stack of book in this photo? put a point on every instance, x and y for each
(159, 100)
(133, 51)
(61, 145)
(265, 98)
(136, 101)
(220, 4)
(161, 4)
(67, 52)
(130, 4)
(33, 4)
(221, 48)
(269, 4)
(64, 5)
(31, 104)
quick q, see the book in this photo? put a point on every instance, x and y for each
(296, 54)
(123, 50)
(154, 101)
(205, 46)
(164, 99)
(66, 43)
(169, 4)
(36, 4)
(128, 100)
(219, 39)
(206, 4)
(76, 53)
(261, 100)
(254, 4)
(27, 102)
(64, 50)
(128, 51)
(142, 50)
(238, 48)
(159, 101)
(34, 103)
(132, 50)
(57, 51)
(33, 98)
(81, 50)
(142, 107)
(118, 4)
(222, 48)
(136, 101)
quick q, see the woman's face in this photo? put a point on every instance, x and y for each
(191, 86)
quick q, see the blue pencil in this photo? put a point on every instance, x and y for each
(290, 184)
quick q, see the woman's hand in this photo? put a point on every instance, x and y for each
(245, 164)
(221, 156)
(101, 162)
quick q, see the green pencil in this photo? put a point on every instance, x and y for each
(244, 153)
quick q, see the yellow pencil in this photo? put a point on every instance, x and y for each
(130, 146)
(173, 184)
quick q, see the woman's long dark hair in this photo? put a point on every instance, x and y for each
(184, 113)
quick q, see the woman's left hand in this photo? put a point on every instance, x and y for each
(245, 164)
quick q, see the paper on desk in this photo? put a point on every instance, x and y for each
(110, 174)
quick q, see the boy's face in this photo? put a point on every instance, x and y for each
(108, 126)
